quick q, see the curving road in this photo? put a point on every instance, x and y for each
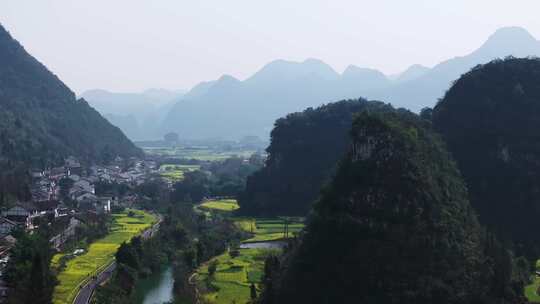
(85, 294)
(86, 291)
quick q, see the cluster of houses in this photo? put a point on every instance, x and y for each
(60, 195)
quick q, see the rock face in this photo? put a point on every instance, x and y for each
(394, 226)
(41, 121)
(490, 119)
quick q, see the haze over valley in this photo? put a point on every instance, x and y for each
(230, 108)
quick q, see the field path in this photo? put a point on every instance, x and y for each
(86, 292)
(192, 280)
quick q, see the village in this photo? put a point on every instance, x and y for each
(64, 197)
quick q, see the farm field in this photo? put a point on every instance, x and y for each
(220, 205)
(268, 229)
(204, 154)
(175, 173)
(99, 254)
(233, 277)
(531, 290)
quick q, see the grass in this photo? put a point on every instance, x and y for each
(175, 173)
(99, 254)
(531, 290)
(269, 229)
(220, 205)
(233, 277)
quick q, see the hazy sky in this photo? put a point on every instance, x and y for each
(131, 45)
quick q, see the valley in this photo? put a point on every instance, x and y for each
(237, 275)
(362, 178)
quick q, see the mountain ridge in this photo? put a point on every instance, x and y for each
(284, 86)
(42, 121)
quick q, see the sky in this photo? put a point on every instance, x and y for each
(133, 45)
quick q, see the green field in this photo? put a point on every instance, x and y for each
(99, 254)
(268, 229)
(531, 290)
(220, 205)
(232, 280)
(233, 277)
(175, 173)
(202, 153)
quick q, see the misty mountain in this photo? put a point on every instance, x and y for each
(411, 73)
(230, 108)
(41, 120)
(431, 85)
(135, 114)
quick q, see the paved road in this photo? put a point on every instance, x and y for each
(85, 294)
(83, 297)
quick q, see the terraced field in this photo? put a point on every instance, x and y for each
(175, 173)
(99, 254)
(269, 229)
(220, 205)
(202, 153)
(233, 277)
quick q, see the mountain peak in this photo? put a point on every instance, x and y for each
(511, 38)
(355, 70)
(511, 32)
(365, 77)
(227, 78)
(412, 72)
(284, 70)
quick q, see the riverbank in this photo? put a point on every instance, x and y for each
(236, 275)
(231, 282)
(99, 254)
(157, 288)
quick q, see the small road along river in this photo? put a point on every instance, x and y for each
(87, 290)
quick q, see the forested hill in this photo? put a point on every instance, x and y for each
(304, 150)
(490, 119)
(395, 226)
(42, 122)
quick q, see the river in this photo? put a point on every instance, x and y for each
(264, 245)
(155, 289)
(158, 288)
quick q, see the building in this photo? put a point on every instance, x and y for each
(60, 239)
(22, 213)
(6, 226)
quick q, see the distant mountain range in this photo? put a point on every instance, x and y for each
(230, 108)
(135, 113)
(41, 120)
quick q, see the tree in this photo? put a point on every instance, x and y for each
(212, 267)
(171, 138)
(407, 233)
(490, 120)
(27, 273)
(304, 151)
(253, 292)
(127, 255)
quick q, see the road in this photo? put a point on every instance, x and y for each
(85, 294)
(192, 280)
